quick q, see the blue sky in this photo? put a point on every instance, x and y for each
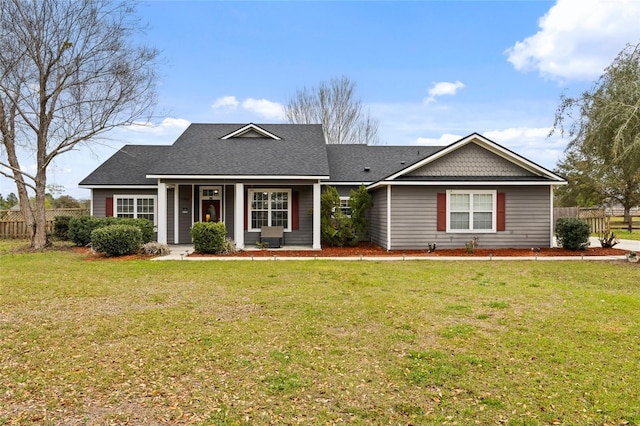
(429, 71)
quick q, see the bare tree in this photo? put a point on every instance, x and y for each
(334, 105)
(70, 70)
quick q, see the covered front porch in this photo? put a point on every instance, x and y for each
(244, 207)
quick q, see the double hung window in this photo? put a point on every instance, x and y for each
(471, 211)
(269, 207)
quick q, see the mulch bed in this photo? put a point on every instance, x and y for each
(368, 250)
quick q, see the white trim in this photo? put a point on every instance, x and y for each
(176, 214)
(551, 223)
(269, 190)
(219, 197)
(237, 177)
(388, 217)
(160, 215)
(317, 229)
(494, 211)
(244, 129)
(238, 215)
(156, 207)
(464, 183)
(488, 145)
(118, 186)
(91, 204)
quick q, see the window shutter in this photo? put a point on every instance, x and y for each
(501, 212)
(108, 207)
(441, 212)
(295, 217)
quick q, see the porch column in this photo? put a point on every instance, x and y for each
(238, 216)
(162, 212)
(316, 216)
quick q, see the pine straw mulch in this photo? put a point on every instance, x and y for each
(369, 250)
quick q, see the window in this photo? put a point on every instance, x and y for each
(344, 206)
(269, 207)
(469, 211)
(135, 206)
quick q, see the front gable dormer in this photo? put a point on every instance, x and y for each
(251, 131)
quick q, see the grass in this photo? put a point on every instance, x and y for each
(317, 342)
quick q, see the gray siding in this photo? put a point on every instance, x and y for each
(378, 217)
(471, 160)
(185, 208)
(100, 196)
(413, 219)
(229, 201)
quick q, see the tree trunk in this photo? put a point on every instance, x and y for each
(628, 219)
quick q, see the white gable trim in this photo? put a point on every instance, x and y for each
(465, 183)
(489, 146)
(251, 127)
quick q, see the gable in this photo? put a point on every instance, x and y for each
(471, 160)
(250, 131)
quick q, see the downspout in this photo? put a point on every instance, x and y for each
(388, 217)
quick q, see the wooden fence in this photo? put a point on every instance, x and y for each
(12, 224)
(598, 218)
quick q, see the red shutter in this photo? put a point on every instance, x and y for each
(501, 212)
(441, 209)
(108, 207)
(295, 206)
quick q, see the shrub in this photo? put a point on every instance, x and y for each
(61, 227)
(337, 228)
(116, 240)
(145, 226)
(208, 237)
(572, 233)
(229, 246)
(80, 229)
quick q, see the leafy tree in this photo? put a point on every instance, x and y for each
(334, 105)
(339, 229)
(70, 71)
(604, 126)
(359, 202)
(10, 201)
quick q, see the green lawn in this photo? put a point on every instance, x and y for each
(317, 342)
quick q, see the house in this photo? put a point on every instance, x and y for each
(255, 175)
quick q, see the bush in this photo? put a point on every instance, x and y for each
(572, 233)
(61, 227)
(208, 237)
(608, 239)
(145, 226)
(116, 240)
(80, 229)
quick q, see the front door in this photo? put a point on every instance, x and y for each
(210, 211)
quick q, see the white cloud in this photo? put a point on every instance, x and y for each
(443, 140)
(532, 143)
(167, 125)
(443, 88)
(225, 102)
(265, 108)
(578, 39)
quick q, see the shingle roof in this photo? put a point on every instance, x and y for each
(200, 151)
(347, 163)
(128, 166)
